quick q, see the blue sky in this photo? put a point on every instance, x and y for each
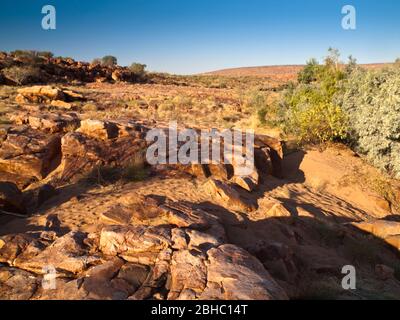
(191, 36)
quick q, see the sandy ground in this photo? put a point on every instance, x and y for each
(313, 186)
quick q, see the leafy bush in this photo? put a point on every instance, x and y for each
(138, 69)
(308, 110)
(371, 99)
(31, 56)
(109, 61)
(22, 75)
(309, 72)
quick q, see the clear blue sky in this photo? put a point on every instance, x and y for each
(190, 36)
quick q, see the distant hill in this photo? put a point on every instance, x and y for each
(283, 72)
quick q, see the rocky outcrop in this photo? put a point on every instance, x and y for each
(177, 252)
(54, 96)
(28, 154)
(389, 231)
(11, 199)
(48, 122)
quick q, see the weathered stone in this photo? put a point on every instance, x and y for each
(134, 274)
(248, 183)
(61, 104)
(39, 94)
(394, 241)
(221, 171)
(16, 284)
(379, 228)
(97, 129)
(12, 246)
(67, 255)
(232, 273)
(101, 282)
(384, 272)
(51, 122)
(29, 153)
(188, 272)
(228, 194)
(82, 154)
(11, 198)
(134, 242)
(202, 240)
(263, 161)
(34, 198)
(117, 214)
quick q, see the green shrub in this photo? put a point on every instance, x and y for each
(308, 110)
(31, 56)
(371, 99)
(310, 72)
(22, 75)
(138, 69)
(109, 61)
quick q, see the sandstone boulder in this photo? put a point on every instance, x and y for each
(29, 153)
(50, 122)
(11, 198)
(137, 244)
(236, 275)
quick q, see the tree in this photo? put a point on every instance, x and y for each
(351, 64)
(333, 58)
(109, 61)
(96, 61)
(309, 73)
(138, 69)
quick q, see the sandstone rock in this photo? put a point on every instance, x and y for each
(117, 76)
(51, 122)
(179, 239)
(66, 289)
(73, 96)
(16, 284)
(101, 282)
(68, 255)
(134, 274)
(45, 94)
(384, 272)
(135, 243)
(103, 130)
(278, 259)
(232, 273)
(267, 141)
(117, 214)
(228, 194)
(188, 273)
(273, 153)
(380, 228)
(184, 215)
(39, 94)
(11, 198)
(263, 161)
(34, 198)
(199, 171)
(12, 246)
(29, 153)
(394, 241)
(221, 171)
(248, 183)
(81, 154)
(271, 208)
(201, 240)
(61, 104)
